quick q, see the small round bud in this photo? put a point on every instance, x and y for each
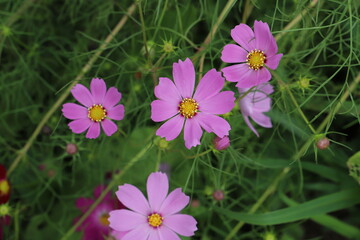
(51, 173)
(71, 148)
(138, 75)
(41, 167)
(162, 143)
(269, 236)
(323, 143)
(46, 130)
(195, 203)
(218, 195)
(221, 143)
(5, 210)
(168, 47)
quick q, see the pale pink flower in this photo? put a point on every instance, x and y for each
(257, 51)
(100, 107)
(254, 104)
(158, 217)
(183, 108)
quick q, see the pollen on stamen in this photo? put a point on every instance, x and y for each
(256, 59)
(155, 220)
(97, 113)
(188, 107)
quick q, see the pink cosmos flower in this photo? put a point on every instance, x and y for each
(100, 107)
(257, 51)
(254, 104)
(178, 103)
(155, 219)
(96, 225)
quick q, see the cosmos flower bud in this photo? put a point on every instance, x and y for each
(221, 143)
(269, 236)
(218, 195)
(323, 143)
(71, 148)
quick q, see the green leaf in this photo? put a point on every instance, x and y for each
(318, 206)
(330, 222)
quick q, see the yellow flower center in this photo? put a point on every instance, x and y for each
(97, 113)
(155, 220)
(103, 219)
(4, 187)
(188, 107)
(256, 59)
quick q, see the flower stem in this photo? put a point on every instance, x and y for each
(212, 33)
(62, 98)
(270, 190)
(296, 19)
(272, 187)
(286, 87)
(110, 186)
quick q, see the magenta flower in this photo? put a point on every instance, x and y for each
(155, 219)
(96, 225)
(257, 51)
(183, 108)
(100, 107)
(254, 104)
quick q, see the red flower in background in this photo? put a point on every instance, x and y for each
(4, 186)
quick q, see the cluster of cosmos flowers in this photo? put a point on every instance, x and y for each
(183, 107)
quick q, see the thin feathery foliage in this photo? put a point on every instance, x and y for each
(279, 184)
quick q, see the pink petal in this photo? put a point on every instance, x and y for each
(174, 203)
(157, 188)
(171, 128)
(244, 36)
(273, 62)
(262, 36)
(74, 111)
(218, 104)
(215, 124)
(82, 95)
(132, 198)
(112, 97)
(210, 85)
(261, 119)
(233, 54)
(125, 220)
(83, 204)
(247, 121)
(80, 125)
(237, 72)
(117, 235)
(167, 234)
(98, 90)
(109, 127)
(154, 235)
(184, 77)
(192, 133)
(140, 233)
(167, 91)
(161, 110)
(255, 78)
(182, 224)
(94, 131)
(116, 113)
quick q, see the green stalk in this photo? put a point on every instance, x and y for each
(112, 184)
(62, 98)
